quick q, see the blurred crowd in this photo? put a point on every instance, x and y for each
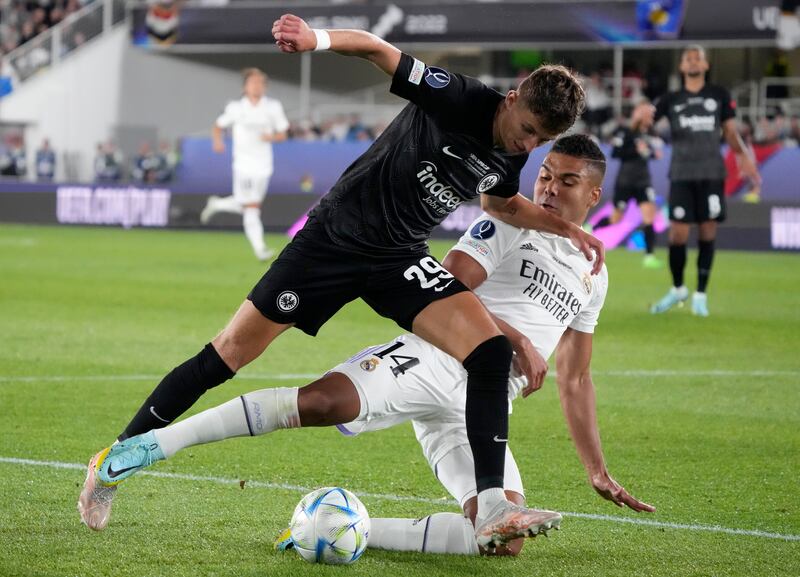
(158, 165)
(22, 20)
(148, 165)
(341, 128)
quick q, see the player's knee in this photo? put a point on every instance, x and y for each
(323, 407)
(315, 407)
(251, 213)
(489, 359)
(234, 349)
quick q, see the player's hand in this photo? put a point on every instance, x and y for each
(591, 246)
(530, 364)
(749, 169)
(218, 146)
(266, 137)
(292, 34)
(609, 489)
(642, 148)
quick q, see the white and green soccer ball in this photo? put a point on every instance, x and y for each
(330, 525)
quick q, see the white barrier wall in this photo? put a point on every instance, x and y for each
(108, 84)
(110, 87)
(74, 103)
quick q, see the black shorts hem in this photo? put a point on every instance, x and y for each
(310, 331)
(407, 322)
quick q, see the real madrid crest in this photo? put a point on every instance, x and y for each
(587, 283)
(369, 365)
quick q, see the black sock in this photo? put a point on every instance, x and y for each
(487, 409)
(605, 221)
(178, 391)
(705, 257)
(649, 238)
(677, 262)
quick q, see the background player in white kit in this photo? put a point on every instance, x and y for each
(537, 285)
(256, 122)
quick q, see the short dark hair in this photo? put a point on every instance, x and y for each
(555, 95)
(583, 147)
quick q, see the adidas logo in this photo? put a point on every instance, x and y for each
(528, 246)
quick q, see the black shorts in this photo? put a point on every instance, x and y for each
(313, 278)
(624, 193)
(697, 200)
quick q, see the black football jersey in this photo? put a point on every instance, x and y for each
(435, 155)
(695, 121)
(633, 148)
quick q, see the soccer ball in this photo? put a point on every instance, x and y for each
(330, 525)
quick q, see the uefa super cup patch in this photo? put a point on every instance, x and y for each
(416, 72)
(483, 230)
(436, 77)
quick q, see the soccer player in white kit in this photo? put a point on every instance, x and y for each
(256, 122)
(536, 285)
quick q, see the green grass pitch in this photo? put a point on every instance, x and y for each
(700, 417)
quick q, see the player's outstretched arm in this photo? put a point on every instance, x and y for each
(292, 34)
(576, 391)
(520, 212)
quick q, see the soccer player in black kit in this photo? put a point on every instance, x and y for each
(634, 146)
(697, 113)
(457, 139)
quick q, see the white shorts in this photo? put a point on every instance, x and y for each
(249, 188)
(409, 379)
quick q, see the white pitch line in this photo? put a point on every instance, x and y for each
(403, 498)
(313, 376)
(61, 378)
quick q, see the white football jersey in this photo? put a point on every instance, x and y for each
(249, 122)
(539, 283)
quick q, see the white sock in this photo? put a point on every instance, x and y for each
(439, 533)
(227, 204)
(254, 229)
(266, 410)
(487, 499)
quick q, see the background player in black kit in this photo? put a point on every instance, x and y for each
(634, 146)
(696, 115)
(367, 239)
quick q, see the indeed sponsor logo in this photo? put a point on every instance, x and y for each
(698, 123)
(441, 193)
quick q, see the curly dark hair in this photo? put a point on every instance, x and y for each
(583, 147)
(555, 95)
